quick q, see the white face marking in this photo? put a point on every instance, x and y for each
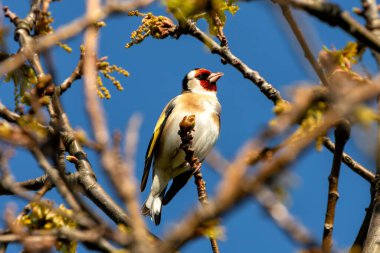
(194, 84)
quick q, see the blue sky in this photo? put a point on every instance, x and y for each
(258, 36)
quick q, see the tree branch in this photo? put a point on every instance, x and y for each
(300, 38)
(266, 88)
(276, 210)
(75, 75)
(120, 173)
(351, 163)
(371, 14)
(333, 15)
(68, 31)
(36, 184)
(186, 127)
(342, 134)
(372, 218)
(61, 125)
(94, 110)
(361, 237)
(90, 237)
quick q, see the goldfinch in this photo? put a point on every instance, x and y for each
(198, 98)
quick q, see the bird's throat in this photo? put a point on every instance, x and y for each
(208, 86)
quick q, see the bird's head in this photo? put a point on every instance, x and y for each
(201, 81)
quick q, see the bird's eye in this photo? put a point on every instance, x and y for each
(203, 76)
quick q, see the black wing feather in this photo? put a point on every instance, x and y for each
(153, 144)
(178, 183)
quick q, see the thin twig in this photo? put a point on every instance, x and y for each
(76, 74)
(220, 33)
(131, 194)
(68, 31)
(186, 128)
(63, 189)
(333, 15)
(308, 54)
(6, 179)
(121, 174)
(31, 185)
(351, 163)
(44, 189)
(342, 134)
(266, 88)
(38, 183)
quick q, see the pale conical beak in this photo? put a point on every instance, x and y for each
(213, 77)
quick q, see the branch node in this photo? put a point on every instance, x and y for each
(11, 15)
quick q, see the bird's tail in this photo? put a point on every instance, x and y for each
(153, 207)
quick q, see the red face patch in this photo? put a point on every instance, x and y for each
(202, 72)
(208, 86)
(202, 75)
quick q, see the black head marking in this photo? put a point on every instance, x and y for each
(185, 80)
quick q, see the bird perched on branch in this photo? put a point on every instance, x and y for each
(198, 98)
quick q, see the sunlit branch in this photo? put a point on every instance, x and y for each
(186, 127)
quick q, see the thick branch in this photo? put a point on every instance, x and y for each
(23, 28)
(361, 237)
(371, 15)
